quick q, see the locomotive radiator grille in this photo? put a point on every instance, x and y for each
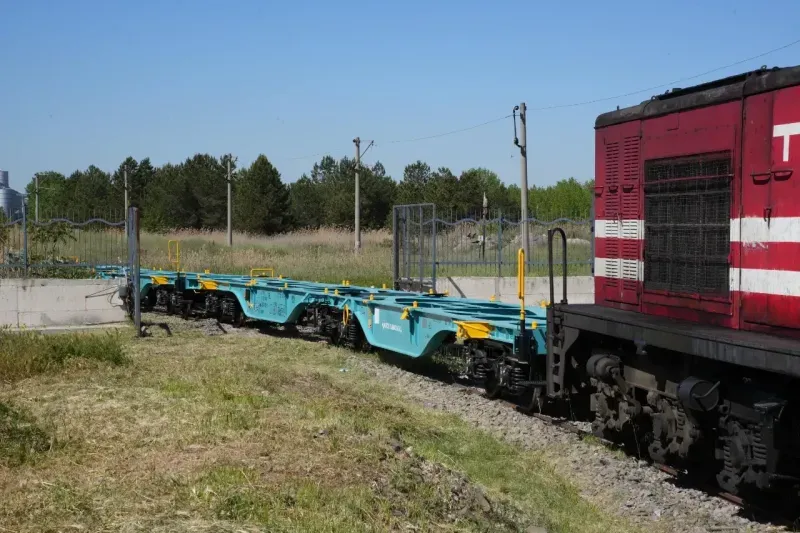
(687, 224)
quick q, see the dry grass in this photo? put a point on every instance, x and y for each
(315, 255)
(323, 255)
(255, 433)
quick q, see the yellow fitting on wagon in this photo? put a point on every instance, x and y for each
(259, 272)
(472, 329)
(208, 285)
(176, 258)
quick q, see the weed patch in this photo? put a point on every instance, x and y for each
(20, 436)
(25, 354)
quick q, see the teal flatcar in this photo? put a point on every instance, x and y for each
(502, 346)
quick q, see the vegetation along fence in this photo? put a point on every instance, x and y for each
(60, 246)
(430, 244)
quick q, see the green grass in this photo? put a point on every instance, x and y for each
(255, 433)
(26, 353)
(21, 438)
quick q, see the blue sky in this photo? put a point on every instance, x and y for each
(91, 82)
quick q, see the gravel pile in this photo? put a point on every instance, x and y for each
(630, 487)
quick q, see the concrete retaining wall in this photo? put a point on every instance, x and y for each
(41, 303)
(580, 289)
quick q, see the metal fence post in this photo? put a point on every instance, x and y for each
(133, 247)
(395, 250)
(500, 246)
(25, 234)
(433, 244)
(421, 246)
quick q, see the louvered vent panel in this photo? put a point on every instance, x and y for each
(630, 157)
(687, 224)
(612, 272)
(612, 163)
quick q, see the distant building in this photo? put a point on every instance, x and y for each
(10, 200)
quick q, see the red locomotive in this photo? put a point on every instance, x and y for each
(692, 346)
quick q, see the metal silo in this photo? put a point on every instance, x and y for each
(10, 202)
(3, 179)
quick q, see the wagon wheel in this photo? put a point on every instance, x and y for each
(533, 400)
(492, 386)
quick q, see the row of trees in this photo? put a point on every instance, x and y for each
(193, 194)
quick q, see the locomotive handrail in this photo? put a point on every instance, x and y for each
(550, 234)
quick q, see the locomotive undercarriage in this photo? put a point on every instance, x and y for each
(708, 418)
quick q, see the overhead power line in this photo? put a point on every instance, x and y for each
(672, 83)
(498, 119)
(577, 104)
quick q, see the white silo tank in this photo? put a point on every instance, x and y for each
(10, 202)
(3, 179)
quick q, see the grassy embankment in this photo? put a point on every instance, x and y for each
(248, 433)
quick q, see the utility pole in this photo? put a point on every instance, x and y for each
(522, 143)
(357, 142)
(125, 186)
(37, 197)
(230, 206)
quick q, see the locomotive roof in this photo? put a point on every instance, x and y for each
(710, 93)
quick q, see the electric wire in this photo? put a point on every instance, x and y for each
(576, 104)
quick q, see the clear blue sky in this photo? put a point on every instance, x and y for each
(91, 82)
